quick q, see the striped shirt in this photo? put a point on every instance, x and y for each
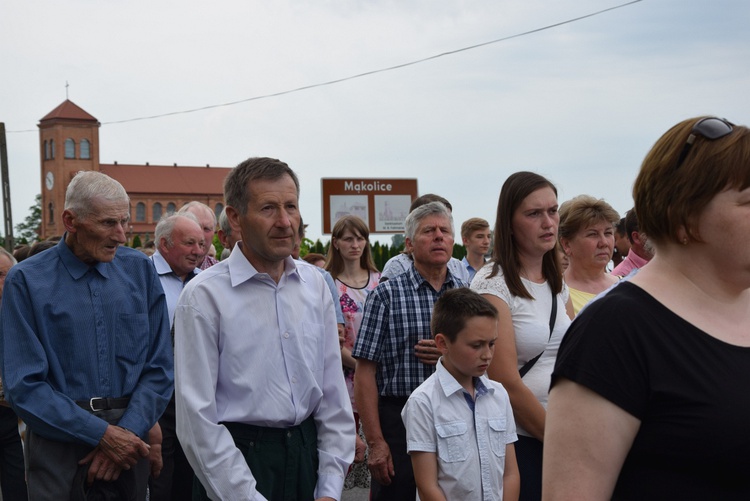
(397, 315)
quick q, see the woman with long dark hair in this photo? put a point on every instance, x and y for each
(524, 282)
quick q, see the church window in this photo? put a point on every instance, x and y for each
(157, 212)
(140, 212)
(70, 148)
(85, 149)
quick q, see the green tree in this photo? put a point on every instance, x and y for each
(28, 230)
(397, 241)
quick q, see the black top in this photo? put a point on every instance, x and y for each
(690, 391)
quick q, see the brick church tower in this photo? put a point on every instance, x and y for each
(69, 142)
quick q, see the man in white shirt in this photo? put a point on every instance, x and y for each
(262, 408)
(179, 250)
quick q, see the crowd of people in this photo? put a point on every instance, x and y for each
(571, 354)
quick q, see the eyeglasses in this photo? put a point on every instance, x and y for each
(711, 128)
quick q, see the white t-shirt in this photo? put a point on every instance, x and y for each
(531, 326)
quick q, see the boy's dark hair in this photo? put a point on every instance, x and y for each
(455, 307)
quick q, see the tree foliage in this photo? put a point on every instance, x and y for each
(28, 230)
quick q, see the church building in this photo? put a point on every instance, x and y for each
(69, 143)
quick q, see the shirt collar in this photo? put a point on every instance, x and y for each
(75, 266)
(637, 260)
(240, 269)
(163, 268)
(450, 386)
(417, 279)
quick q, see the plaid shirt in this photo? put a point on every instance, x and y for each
(397, 315)
(208, 262)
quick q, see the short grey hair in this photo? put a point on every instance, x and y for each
(87, 186)
(185, 209)
(411, 225)
(11, 257)
(224, 222)
(236, 193)
(165, 227)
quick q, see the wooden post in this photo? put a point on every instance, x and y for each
(7, 213)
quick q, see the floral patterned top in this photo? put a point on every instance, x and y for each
(352, 305)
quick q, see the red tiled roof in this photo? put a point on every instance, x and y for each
(68, 110)
(139, 179)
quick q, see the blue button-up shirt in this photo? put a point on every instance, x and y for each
(70, 331)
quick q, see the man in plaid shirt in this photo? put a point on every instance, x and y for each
(395, 351)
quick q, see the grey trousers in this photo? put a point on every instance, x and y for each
(51, 466)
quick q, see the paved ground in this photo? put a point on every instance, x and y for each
(356, 494)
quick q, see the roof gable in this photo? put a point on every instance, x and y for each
(68, 110)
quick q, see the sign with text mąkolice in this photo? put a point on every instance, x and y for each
(381, 203)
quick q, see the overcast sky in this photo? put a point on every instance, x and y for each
(579, 103)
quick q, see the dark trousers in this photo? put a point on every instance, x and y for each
(403, 486)
(284, 461)
(12, 474)
(52, 465)
(529, 457)
(175, 483)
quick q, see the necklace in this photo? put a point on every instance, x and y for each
(355, 282)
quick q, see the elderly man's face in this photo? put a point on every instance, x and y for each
(187, 248)
(95, 238)
(206, 219)
(433, 242)
(5, 265)
(269, 228)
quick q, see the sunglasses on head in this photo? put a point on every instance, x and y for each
(711, 128)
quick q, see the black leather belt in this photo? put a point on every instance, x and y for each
(103, 404)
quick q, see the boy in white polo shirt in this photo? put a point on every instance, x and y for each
(459, 424)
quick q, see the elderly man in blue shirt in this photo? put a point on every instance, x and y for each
(86, 355)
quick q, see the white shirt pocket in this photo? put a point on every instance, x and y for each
(452, 441)
(497, 431)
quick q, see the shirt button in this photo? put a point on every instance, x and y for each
(294, 380)
(286, 335)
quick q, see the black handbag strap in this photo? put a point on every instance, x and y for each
(552, 317)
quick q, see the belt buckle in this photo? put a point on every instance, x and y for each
(91, 404)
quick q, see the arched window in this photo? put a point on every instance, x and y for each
(171, 208)
(85, 149)
(217, 210)
(157, 212)
(51, 213)
(70, 148)
(140, 212)
(52, 149)
(46, 150)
